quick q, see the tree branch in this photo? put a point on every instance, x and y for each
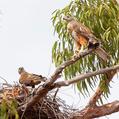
(86, 75)
(59, 69)
(48, 85)
(98, 111)
(42, 91)
(99, 91)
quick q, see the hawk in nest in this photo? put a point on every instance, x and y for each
(29, 79)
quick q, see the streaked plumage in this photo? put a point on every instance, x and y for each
(83, 37)
(30, 79)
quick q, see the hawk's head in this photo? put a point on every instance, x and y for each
(20, 70)
(68, 18)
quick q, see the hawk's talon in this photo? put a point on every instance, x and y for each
(76, 52)
(75, 56)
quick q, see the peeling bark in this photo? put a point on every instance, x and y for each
(97, 111)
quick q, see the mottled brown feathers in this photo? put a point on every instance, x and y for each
(83, 37)
(30, 79)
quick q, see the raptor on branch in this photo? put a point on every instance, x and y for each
(83, 37)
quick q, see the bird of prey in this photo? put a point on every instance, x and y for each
(29, 79)
(83, 37)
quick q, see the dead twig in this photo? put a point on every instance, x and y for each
(55, 94)
(4, 79)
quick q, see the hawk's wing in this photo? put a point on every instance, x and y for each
(75, 36)
(82, 28)
(84, 31)
(27, 82)
(39, 77)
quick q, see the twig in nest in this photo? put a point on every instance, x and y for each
(7, 84)
(52, 108)
(41, 108)
(24, 110)
(55, 94)
(4, 79)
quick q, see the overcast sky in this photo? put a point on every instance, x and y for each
(26, 39)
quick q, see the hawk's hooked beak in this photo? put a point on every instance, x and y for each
(65, 18)
(68, 18)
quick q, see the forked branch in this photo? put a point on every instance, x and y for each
(51, 84)
(67, 63)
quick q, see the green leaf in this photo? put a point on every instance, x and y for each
(102, 17)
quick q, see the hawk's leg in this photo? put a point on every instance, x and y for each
(82, 48)
(77, 51)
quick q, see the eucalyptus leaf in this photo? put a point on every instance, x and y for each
(102, 17)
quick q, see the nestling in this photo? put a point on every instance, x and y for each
(30, 79)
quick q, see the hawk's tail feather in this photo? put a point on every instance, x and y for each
(102, 54)
(40, 77)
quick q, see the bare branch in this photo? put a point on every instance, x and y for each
(55, 94)
(98, 111)
(99, 91)
(48, 85)
(4, 79)
(86, 75)
(59, 69)
(42, 91)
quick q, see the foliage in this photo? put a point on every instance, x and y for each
(8, 110)
(102, 17)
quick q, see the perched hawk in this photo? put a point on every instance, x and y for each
(29, 79)
(83, 37)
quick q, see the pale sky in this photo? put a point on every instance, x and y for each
(26, 39)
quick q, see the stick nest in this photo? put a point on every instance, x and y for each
(50, 107)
